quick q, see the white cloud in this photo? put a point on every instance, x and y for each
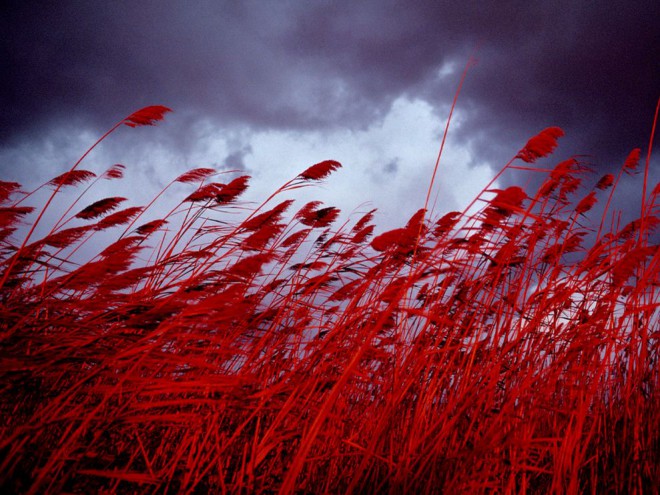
(387, 165)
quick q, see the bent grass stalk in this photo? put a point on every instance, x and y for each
(509, 348)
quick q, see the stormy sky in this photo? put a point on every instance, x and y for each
(271, 87)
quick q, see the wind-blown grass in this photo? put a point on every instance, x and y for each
(509, 348)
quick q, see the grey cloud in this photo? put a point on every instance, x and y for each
(590, 69)
(236, 159)
(392, 167)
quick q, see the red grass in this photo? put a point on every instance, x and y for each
(146, 116)
(320, 170)
(72, 177)
(511, 350)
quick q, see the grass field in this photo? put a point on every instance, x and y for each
(509, 348)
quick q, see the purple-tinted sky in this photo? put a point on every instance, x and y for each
(251, 71)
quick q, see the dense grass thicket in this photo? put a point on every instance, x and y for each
(509, 348)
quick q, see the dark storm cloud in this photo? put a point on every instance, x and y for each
(593, 72)
(314, 64)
